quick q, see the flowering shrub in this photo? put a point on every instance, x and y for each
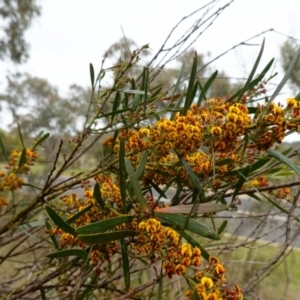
(207, 150)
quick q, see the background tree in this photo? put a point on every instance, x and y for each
(17, 16)
(288, 50)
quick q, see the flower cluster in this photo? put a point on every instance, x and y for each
(11, 180)
(159, 242)
(219, 126)
(209, 283)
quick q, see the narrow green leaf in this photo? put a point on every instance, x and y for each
(20, 135)
(105, 237)
(284, 160)
(206, 87)
(52, 236)
(194, 243)
(3, 149)
(42, 139)
(92, 75)
(253, 83)
(222, 227)
(160, 284)
(178, 104)
(201, 208)
(189, 98)
(192, 225)
(141, 167)
(118, 112)
(178, 81)
(88, 291)
(285, 78)
(22, 160)
(136, 102)
(135, 92)
(79, 214)
(125, 264)
(70, 252)
(135, 183)
(115, 105)
(225, 161)
(192, 175)
(196, 296)
(258, 164)
(104, 225)
(33, 224)
(145, 86)
(42, 291)
(242, 179)
(252, 71)
(122, 171)
(287, 151)
(33, 186)
(58, 221)
(97, 195)
(160, 192)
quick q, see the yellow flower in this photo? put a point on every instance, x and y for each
(291, 102)
(216, 130)
(207, 282)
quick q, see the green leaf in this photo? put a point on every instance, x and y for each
(20, 135)
(178, 81)
(258, 164)
(136, 102)
(196, 296)
(160, 192)
(79, 214)
(58, 221)
(3, 149)
(135, 183)
(115, 105)
(122, 171)
(160, 284)
(103, 225)
(125, 264)
(285, 78)
(222, 227)
(52, 236)
(33, 224)
(253, 84)
(141, 167)
(194, 243)
(97, 195)
(33, 186)
(70, 252)
(242, 179)
(22, 160)
(192, 175)
(135, 92)
(206, 87)
(192, 225)
(42, 291)
(284, 160)
(201, 208)
(106, 237)
(42, 139)
(252, 71)
(225, 161)
(189, 98)
(92, 75)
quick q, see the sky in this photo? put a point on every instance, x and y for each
(70, 34)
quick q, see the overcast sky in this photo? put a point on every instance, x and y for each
(71, 33)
